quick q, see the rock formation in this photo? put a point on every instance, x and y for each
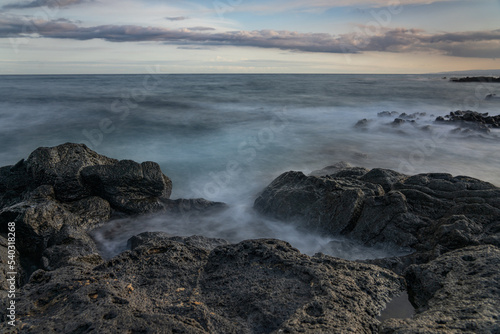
(452, 223)
(166, 283)
(482, 79)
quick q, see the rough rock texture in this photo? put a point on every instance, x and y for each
(453, 223)
(60, 193)
(128, 186)
(458, 292)
(76, 172)
(471, 120)
(426, 212)
(176, 286)
(5, 259)
(40, 217)
(316, 202)
(60, 167)
(169, 284)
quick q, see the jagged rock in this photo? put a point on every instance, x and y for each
(70, 246)
(128, 186)
(387, 114)
(399, 121)
(385, 206)
(60, 193)
(458, 292)
(75, 172)
(256, 286)
(194, 206)
(196, 284)
(471, 120)
(384, 177)
(328, 204)
(412, 116)
(60, 167)
(40, 217)
(362, 123)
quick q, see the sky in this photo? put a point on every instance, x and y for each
(245, 36)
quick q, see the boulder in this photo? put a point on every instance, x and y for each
(162, 285)
(75, 172)
(459, 292)
(60, 167)
(40, 217)
(328, 204)
(426, 212)
(471, 120)
(60, 193)
(129, 186)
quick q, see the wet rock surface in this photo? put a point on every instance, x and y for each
(469, 124)
(452, 223)
(425, 212)
(166, 283)
(456, 293)
(60, 193)
(471, 119)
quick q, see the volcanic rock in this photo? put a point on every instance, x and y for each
(256, 286)
(425, 212)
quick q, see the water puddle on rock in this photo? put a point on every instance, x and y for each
(399, 307)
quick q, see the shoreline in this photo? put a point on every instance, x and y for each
(76, 190)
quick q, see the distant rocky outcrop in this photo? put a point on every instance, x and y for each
(471, 120)
(469, 123)
(476, 79)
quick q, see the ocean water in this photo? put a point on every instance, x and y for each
(225, 137)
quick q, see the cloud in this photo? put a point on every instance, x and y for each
(201, 29)
(46, 3)
(321, 5)
(194, 48)
(176, 18)
(461, 44)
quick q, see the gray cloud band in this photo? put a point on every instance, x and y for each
(47, 3)
(483, 44)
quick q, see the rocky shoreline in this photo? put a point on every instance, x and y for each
(476, 79)
(168, 284)
(467, 124)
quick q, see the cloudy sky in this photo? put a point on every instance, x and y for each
(247, 36)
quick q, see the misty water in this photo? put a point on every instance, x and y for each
(225, 137)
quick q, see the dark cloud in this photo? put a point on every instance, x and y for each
(484, 44)
(42, 3)
(201, 29)
(176, 18)
(188, 47)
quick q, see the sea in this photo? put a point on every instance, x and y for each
(225, 137)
